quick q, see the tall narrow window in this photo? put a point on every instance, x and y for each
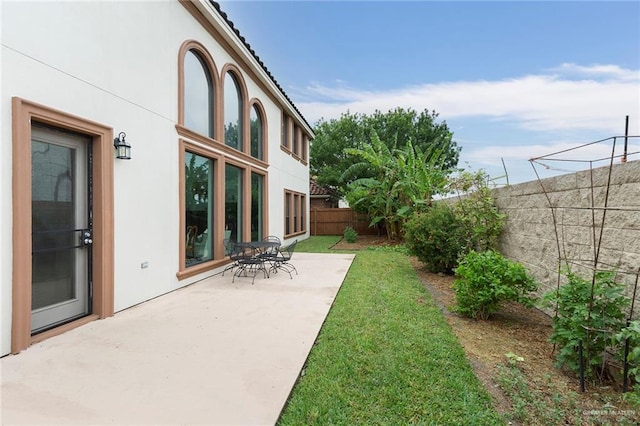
(198, 95)
(295, 212)
(285, 130)
(233, 203)
(305, 147)
(257, 200)
(256, 133)
(303, 209)
(232, 112)
(198, 190)
(287, 213)
(296, 140)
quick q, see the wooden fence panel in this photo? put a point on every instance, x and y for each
(333, 222)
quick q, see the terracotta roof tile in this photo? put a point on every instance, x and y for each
(315, 189)
(216, 5)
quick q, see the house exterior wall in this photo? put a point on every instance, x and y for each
(529, 235)
(117, 64)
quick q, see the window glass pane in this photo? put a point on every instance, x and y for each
(296, 209)
(296, 140)
(285, 128)
(257, 186)
(233, 202)
(198, 173)
(256, 133)
(198, 93)
(305, 147)
(287, 213)
(232, 113)
(303, 209)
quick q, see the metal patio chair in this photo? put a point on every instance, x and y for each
(248, 262)
(234, 255)
(283, 258)
(270, 251)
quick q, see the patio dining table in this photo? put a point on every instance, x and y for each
(258, 245)
(254, 256)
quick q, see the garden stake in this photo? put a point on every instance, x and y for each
(581, 366)
(625, 374)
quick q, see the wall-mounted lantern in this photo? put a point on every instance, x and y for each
(123, 149)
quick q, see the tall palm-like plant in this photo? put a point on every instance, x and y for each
(421, 175)
(403, 181)
(371, 195)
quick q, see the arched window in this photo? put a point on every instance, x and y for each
(257, 132)
(198, 95)
(232, 112)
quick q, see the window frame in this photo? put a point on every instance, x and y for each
(265, 200)
(255, 103)
(285, 141)
(219, 259)
(241, 90)
(242, 199)
(215, 149)
(203, 53)
(294, 140)
(295, 202)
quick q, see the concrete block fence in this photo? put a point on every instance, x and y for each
(592, 208)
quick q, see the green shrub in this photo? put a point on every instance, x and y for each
(434, 238)
(485, 279)
(449, 230)
(476, 211)
(632, 332)
(574, 323)
(350, 234)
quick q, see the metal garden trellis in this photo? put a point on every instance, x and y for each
(598, 218)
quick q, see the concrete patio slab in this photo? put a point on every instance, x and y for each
(214, 353)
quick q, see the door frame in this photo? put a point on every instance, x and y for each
(24, 112)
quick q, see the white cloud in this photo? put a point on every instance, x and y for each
(566, 100)
(568, 159)
(569, 97)
(562, 151)
(604, 71)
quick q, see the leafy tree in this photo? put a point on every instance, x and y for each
(402, 182)
(328, 160)
(372, 195)
(400, 126)
(396, 129)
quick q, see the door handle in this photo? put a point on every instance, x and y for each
(86, 238)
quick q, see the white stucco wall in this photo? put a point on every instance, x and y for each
(117, 64)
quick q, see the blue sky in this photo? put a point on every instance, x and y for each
(513, 80)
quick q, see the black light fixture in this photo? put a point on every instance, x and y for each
(123, 149)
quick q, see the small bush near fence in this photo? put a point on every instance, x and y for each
(434, 237)
(484, 280)
(350, 234)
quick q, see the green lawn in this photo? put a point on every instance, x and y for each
(386, 355)
(319, 244)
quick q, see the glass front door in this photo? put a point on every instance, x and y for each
(61, 227)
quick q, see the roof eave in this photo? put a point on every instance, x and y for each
(214, 15)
